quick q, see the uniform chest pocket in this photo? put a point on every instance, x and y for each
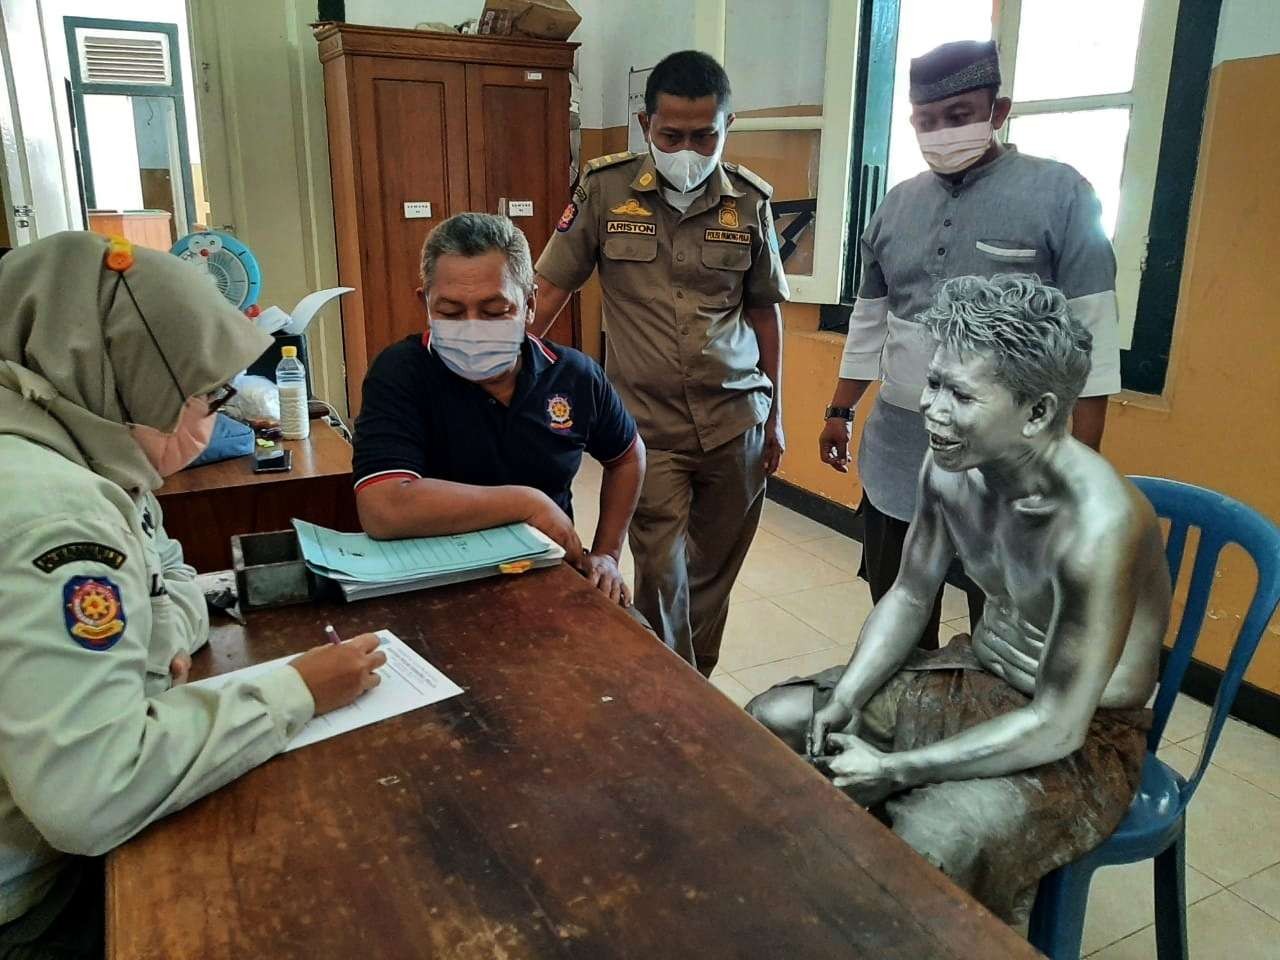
(624, 262)
(724, 269)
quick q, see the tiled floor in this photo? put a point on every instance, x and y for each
(797, 609)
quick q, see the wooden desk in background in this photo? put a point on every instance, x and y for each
(590, 795)
(204, 506)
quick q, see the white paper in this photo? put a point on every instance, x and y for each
(408, 682)
(309, 306)
(272, 319)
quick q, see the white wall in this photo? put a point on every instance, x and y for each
(636, 33)
(267, 157)
(410, 13)
(614, 35)
(1247, 28)
(590, 62)
(116, 181)
(775, 53)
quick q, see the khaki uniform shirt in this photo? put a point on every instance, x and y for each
(681, 352)
(95, 601)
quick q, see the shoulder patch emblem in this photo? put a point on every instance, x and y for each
(79, 550)
(630, 226)
(579, 192)
(764, 186)
(631, 208)
(559, 412)
(566, 219)
(728, 236)
(609, 160)
(94, 612)
(729, 216)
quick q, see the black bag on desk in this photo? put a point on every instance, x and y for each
(265, 365)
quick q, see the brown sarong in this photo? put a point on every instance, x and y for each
(996, 836)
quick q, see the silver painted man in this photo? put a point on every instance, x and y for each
(1006, 756)
(982, 208)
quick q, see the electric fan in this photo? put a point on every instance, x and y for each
(230, 263)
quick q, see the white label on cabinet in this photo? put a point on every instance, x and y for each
(417, 210)
(533, 74)
(520, 208)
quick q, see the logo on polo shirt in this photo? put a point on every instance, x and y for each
(559, 412)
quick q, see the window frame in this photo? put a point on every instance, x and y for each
(78, 89)
(1149, 277)
(835, 153)
(1146, 103)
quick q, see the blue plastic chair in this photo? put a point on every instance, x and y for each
(1155, 826)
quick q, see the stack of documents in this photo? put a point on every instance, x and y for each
(363, 567)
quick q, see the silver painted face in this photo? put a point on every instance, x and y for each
(971, 417)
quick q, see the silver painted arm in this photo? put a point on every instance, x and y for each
(1095, 597)
(894, 627)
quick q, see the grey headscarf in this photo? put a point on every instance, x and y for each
(75, 353)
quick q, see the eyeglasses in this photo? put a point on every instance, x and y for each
(220, 397)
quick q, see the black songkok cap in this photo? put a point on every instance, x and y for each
(954, 68)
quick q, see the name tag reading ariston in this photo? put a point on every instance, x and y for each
(728, 236)
(630, 226)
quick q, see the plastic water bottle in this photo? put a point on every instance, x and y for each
(291, 384)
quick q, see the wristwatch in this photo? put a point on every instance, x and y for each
(844, 413)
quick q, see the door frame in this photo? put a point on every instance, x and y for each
(173, 91)
(31, 137)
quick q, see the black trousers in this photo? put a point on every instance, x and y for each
(882, 539)
(67, 924)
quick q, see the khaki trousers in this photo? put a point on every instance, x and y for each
(697, 515)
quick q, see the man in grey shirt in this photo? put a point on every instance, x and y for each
(982, 209)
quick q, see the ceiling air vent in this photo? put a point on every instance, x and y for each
(124, 57)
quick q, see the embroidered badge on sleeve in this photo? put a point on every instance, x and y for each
(85, 550)
(94, 612)
(566, 219)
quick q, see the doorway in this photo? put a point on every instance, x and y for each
(132, 137)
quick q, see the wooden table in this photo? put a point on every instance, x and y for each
(204, 506)
(589, 796)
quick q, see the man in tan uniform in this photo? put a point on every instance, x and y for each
(692, 279)
(109, 372)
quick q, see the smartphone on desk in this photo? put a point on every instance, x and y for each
(272, 460)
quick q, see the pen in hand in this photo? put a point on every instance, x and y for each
(331, 634)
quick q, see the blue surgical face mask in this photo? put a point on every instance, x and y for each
(477, 349)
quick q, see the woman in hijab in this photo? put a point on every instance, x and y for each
(112, 361)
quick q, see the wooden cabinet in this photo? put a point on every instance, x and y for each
(460, 123)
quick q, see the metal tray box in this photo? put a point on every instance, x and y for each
(270, 571)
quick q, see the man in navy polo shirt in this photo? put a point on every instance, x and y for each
(476, 423)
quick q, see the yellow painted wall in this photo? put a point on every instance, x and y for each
(1218, 423)
(596, 143)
